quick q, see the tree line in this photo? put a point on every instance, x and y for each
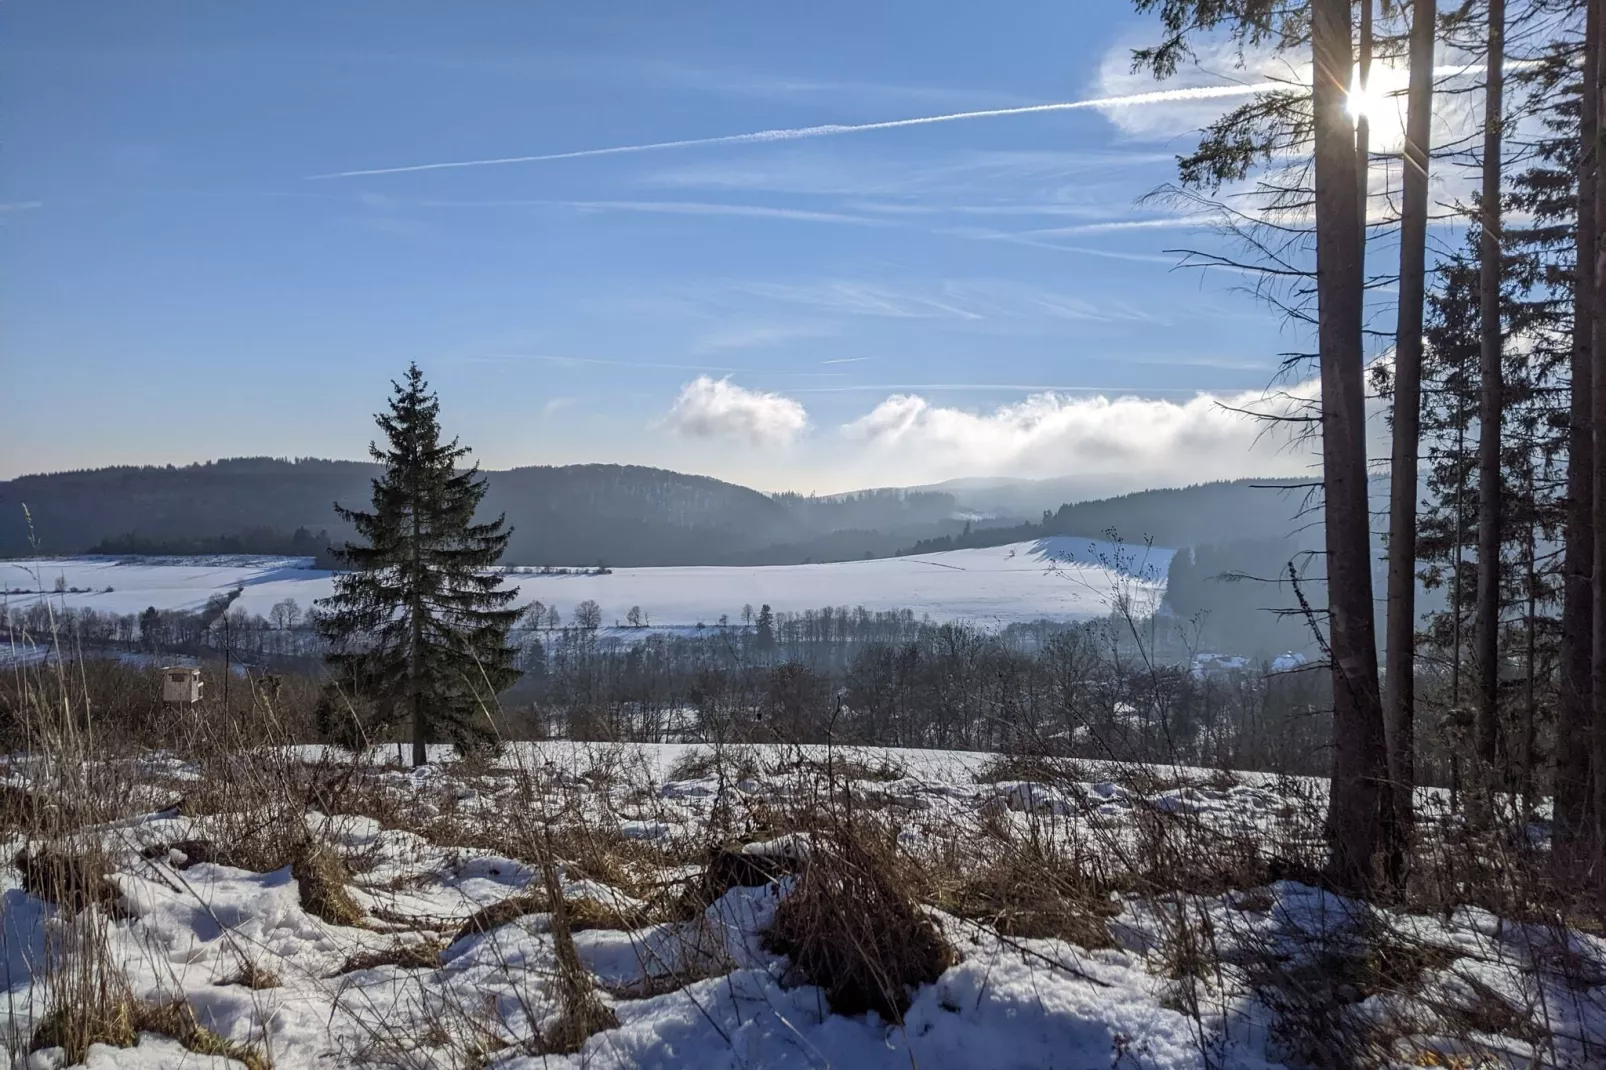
(834, 674)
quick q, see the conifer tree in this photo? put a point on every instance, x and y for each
(418, 626)
(766, 629)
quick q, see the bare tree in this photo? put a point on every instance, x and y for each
(588, 615)
(285, 614)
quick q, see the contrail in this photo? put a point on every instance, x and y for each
(1158, 96)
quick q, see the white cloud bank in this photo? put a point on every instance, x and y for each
(718, 408)
(1118, 442)
(1122, 439)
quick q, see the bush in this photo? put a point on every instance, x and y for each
(322, 878)
(851, 927)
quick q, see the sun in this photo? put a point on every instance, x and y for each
(1379, 101)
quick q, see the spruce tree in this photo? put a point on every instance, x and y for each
(766, 629)
(419, 624)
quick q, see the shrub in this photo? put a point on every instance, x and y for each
(851, 927)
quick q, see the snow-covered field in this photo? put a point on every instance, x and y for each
(1054, 579)
(413, 983)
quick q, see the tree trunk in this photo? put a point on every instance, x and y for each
(1597, 334)
(1355, 815)
(1487, 628)
(1363, 124)
(1597, 383)
(415, 677)
(1573, 714)
(1400, 679)
(1531, 653)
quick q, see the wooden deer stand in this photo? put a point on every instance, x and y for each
(181, 685)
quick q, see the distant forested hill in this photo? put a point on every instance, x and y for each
(1172, 517)
(629, 515)
(617, 515)
(73, 512)
(574, 515)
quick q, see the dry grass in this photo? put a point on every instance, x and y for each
(322, 878)
(699, 764)
(730, 867)
(119, 1026)
(846, 766)
(851, 927)
(1034, 893)
(584, 912)
(402, 954)
(582, 1011)
(1018, 766)
(501, 913)
(70, 879)
(254, 977)
(1316, 991)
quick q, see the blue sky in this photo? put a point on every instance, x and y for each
(892, 306)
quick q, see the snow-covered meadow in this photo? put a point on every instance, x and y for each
(450, 960)
(1056, 579)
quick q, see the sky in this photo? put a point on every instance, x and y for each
(222, 232)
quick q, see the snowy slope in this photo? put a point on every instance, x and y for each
(1060, 578)
(705, 988)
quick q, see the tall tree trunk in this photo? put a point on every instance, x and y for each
(1573, 714)
(1491, 395)
(415, 677)
(1400, 679)
(1363, 122)
(1597, 384)
(1355, 816)
(1531, 654)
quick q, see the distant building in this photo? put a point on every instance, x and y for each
(1206, 666)
(181, 685)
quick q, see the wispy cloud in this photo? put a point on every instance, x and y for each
(1025, 208)
(963, 181)
(561, 361)
(21, 206)
(1177, 222)
(1040, 242)
(740, 336)
(769, 85)
(555, 405)
(718, 408)
(852, 297)
(1125, 100)
(846, 360)
(1234, 364)
(755, 211)
(958, 299)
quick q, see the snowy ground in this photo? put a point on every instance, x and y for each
(1055, 579)
(404, 987)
